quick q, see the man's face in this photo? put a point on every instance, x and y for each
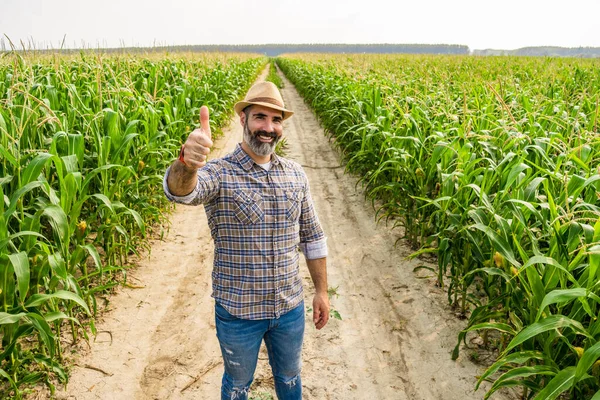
(263, 127)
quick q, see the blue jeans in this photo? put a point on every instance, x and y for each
(240, 341)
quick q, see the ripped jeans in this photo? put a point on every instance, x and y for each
(240, 341)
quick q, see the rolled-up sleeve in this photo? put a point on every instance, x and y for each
(207, 186)
(313, 242)
(314, 250)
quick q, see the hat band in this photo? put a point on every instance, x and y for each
(265, 100)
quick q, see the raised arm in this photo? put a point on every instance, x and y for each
(182, 178)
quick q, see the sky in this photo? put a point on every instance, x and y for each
(483, 24)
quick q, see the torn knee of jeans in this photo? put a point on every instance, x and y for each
(292, 381)
(235, 364)
(239, 393)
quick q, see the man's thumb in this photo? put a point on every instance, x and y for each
(204, 121)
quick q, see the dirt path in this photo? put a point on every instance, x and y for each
(394, 342)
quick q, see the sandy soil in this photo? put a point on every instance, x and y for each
(394, 342)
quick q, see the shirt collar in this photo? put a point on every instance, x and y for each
(247, 162)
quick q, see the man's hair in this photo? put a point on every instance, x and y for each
(246, 111)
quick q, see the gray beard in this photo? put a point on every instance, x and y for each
(259, 148)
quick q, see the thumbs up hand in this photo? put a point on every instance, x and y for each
(198, 144)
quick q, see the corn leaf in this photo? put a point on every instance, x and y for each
(550, 323)
(507, 379)
(499, 244)
(588, 358)
(560, 296)
(20, 264)
(39, 299)
(43, 329)
(58, 221)
(34, 168)
(559, 384)
(520, 357)
(7, 318)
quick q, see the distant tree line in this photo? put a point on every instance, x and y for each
(273, 50)
(543, 51)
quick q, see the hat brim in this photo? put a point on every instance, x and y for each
(239, 107)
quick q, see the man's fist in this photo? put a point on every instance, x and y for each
(198, 144)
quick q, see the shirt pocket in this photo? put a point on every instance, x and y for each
(248, 207)
(293, 203)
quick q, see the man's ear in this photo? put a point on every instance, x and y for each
(242, 118)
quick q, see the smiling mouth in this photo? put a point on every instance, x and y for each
(266, 137)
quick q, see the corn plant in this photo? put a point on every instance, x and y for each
(491, 164)
(84, 142)
(273, 76)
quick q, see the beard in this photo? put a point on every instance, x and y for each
(260, 148)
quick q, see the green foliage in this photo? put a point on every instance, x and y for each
(260, 396)
(492, 165)
(281, 148)
(273, 76)
(84, 143)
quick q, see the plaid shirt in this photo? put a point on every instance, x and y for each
(257, 219)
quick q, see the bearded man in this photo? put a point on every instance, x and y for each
(260, 213)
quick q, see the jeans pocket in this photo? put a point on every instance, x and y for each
(222, 314)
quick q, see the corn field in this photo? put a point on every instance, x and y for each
(493, 166)
(84, 143)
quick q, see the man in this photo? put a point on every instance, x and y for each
(259, 211)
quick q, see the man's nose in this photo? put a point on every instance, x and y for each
(269, 126)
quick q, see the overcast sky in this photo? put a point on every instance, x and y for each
(501, 24)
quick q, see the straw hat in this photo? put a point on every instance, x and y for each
(263, 94)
